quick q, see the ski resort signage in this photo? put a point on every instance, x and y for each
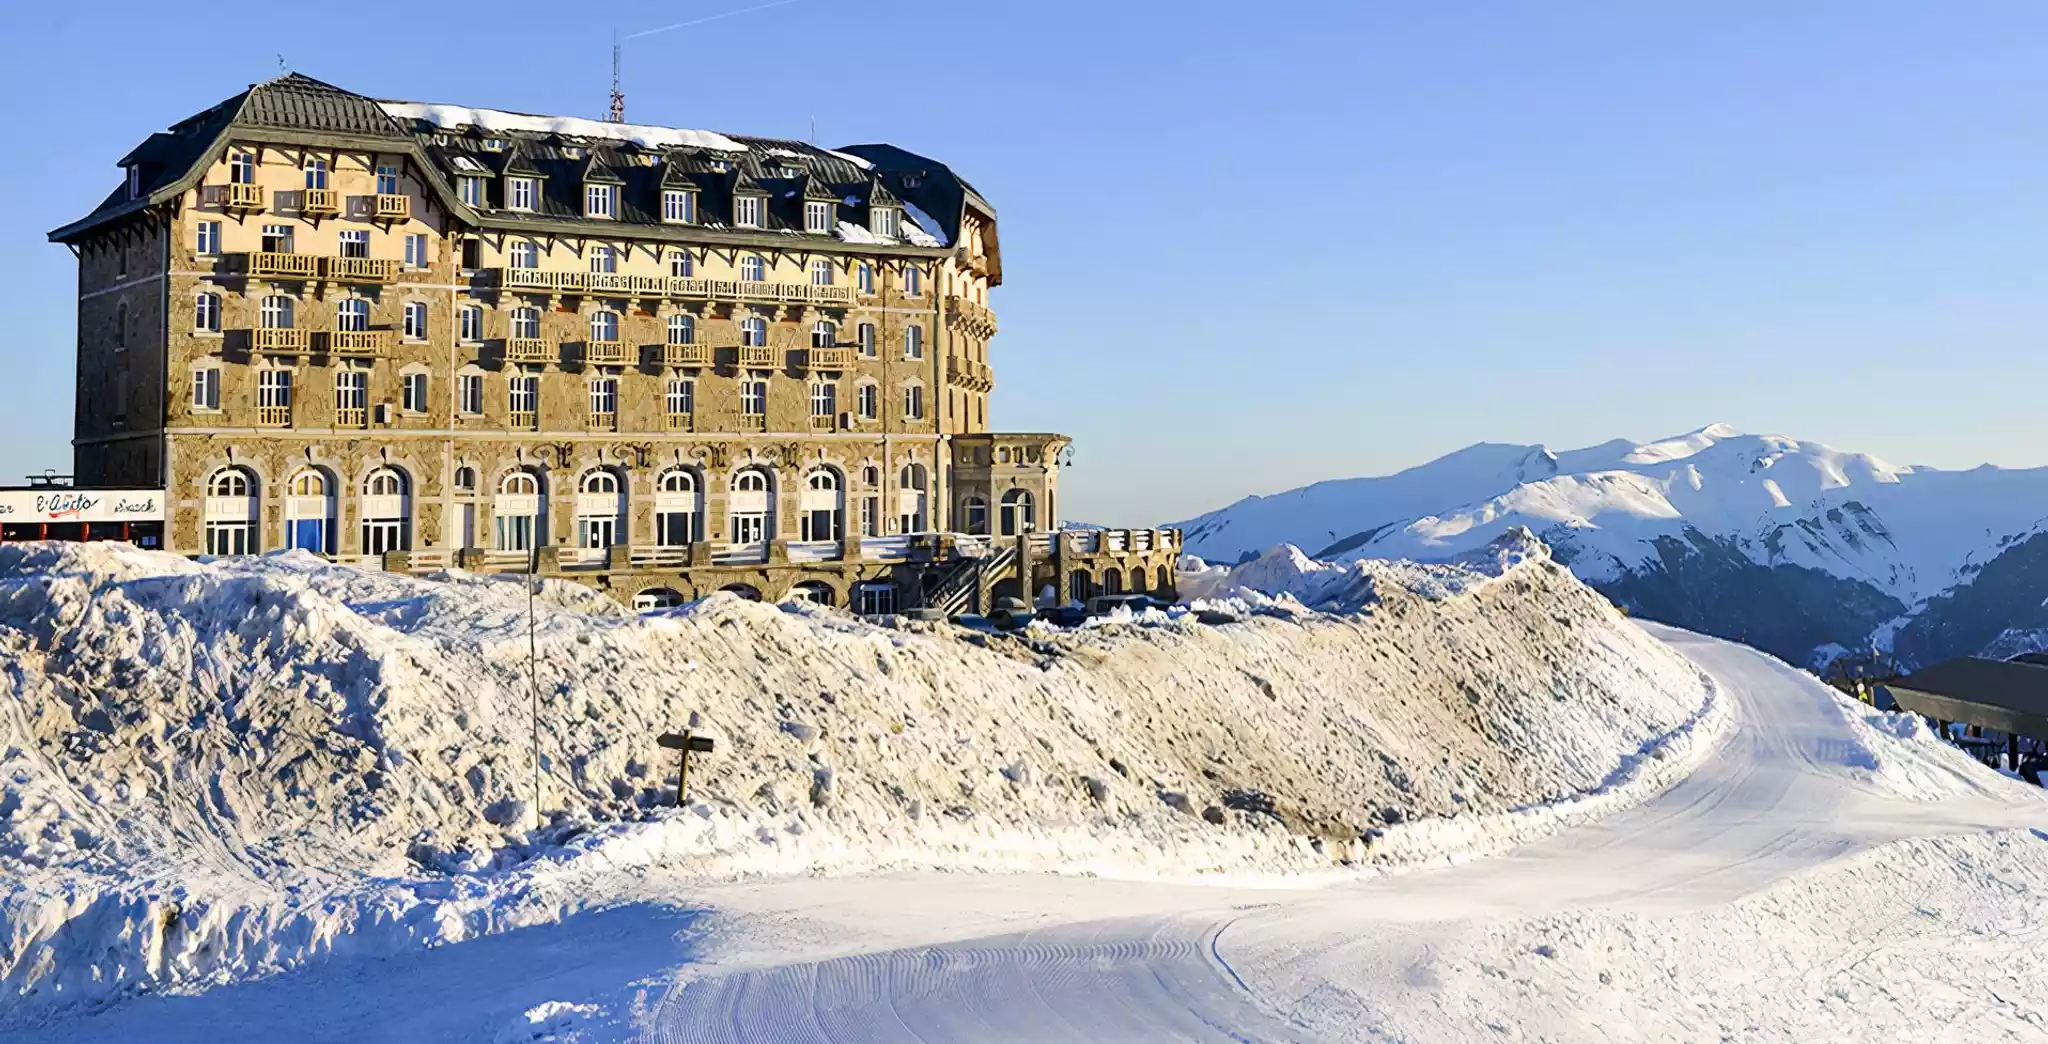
(81, 505)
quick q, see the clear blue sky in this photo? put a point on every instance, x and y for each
(1250, 246)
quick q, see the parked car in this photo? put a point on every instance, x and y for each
(1064, 615)
(1010, 613)
(1103, 605)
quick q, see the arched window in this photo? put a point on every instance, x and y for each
(465, 479)
(975, 510)
(1163, 584)
(677, 509)
(1079, 587)
(1137, 580)
(824, 333)
(517, 511)
(754, 331)
(309, 512)
(526, 322)
(604, 326)
(911, 501)
(753, 269)
(600, 505)
(752, 507)
(352, 314)
(823, 511)
(682, 329)
(655, 599)
(387, 512)
(1020, 512)
(230, 513)
(1112, 582)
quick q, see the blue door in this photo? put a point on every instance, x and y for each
(310, 534)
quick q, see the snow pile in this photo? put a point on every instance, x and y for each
(1902, 756)
(218, 769)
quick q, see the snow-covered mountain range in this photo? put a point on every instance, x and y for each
(1795, 547)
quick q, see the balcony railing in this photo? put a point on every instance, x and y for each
(360, 269)
(828, 358)
(320, 201)
(276, 263)
(280, 341)
(522, 420)
(390, 207)
(237, 196)
(602, 422)
(760, 357)
(679, 421)
(969, 374)
(359, 342)
(753, 422)
(604, 352)
(824, 422)
(671, 286)
(351, 417)
(530, 350)
(972, 316)
(686, 355)
(274, 416)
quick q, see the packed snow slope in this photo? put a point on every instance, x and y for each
(1794, 547)
(217, 769)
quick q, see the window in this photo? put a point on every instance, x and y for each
(883, 221)
(134, 181)
(604, 326)
(866, 337)
(598, 510)
(519, 193)
(913, 280)
(386, 527)
(526, 323)
(913, 402)
(316, 173)
(753, 269)
(471, 191)
(415, 320)
(517, 511)
(209, 237)
(817, 216)
(465, 479)
(494, 144)
(681, 400)
(681, 265)
(413, 392)
(913, 342)
(679, 207)
(604, 395)
(1019, 514)
(277, 239)
(524, 393)
(754, 397)
(351, 314)
(867, 401)
(276, 312)
(597, 201)
(206, 388)
(469, 388)
(472, 253)
(874, 599)
(525, 254)
(604, 259)
(871, 516)
(309, 513)
(821, 272)
(416, 251)
(355, 243)
(746, 211)
(387, 181)
(910, 499)
(230, 513)
(472, 318)
(750, 506)
(274, 391)
(675, 509)
(753, 331)
(866, 278)
(824, 399)
(824, 333)
(977, 516)
(206, 313)
(242, 169)
(682, 329)
(351, 389)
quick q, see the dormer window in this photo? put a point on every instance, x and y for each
(520, 193)
(746, 211)
(316, 173)
(883, 222)
(599, 201)
(134, 181)
(818, 216)
(472, 191)
(242, 169)
(679, 206)
(494, 144)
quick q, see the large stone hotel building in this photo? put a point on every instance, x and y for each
(672, 361)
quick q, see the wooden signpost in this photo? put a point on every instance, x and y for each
(683, 743)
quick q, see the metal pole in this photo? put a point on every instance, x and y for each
(533, 662)
(683, 775)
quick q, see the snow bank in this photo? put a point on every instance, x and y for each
(219, 769)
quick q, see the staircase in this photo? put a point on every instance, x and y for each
(965, 581)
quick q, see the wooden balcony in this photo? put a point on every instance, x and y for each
(351, 417)
(272, 264)
(522, 420)
(360, 270)
(530, 350)
(359, 343)
(825, 422)
(273, 416)
(280, 341)
(624, 285)
(967, 373)
(828, 358)
(604, 353)
(686, 355)
(753, 422)
(601, 422)
(971, 316)
(236, 196)
(391, 207)
(679, 421)
(760, 357)
(320, 202)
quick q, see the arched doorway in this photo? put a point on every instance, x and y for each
(516, 511)
(677, 522)
(746, 591)
(387, 512)
(911, 498)
(230, 513)
(600, 505)
(752, 507)
(974, 511)
(1112, 581)
(1080, 587)
(1020, 512)
(657, 598)
(816, 592)
(1137, 580)
(824, 507)
(309, 512)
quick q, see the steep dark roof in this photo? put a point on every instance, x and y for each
(298, 102)
(2010, 697)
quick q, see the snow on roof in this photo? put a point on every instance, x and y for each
(851, 158)
(466, 164)
(925, 232)
(452, 116)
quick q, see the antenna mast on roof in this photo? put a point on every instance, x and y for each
(618, 110)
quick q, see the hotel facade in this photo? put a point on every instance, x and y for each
(658, 361)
